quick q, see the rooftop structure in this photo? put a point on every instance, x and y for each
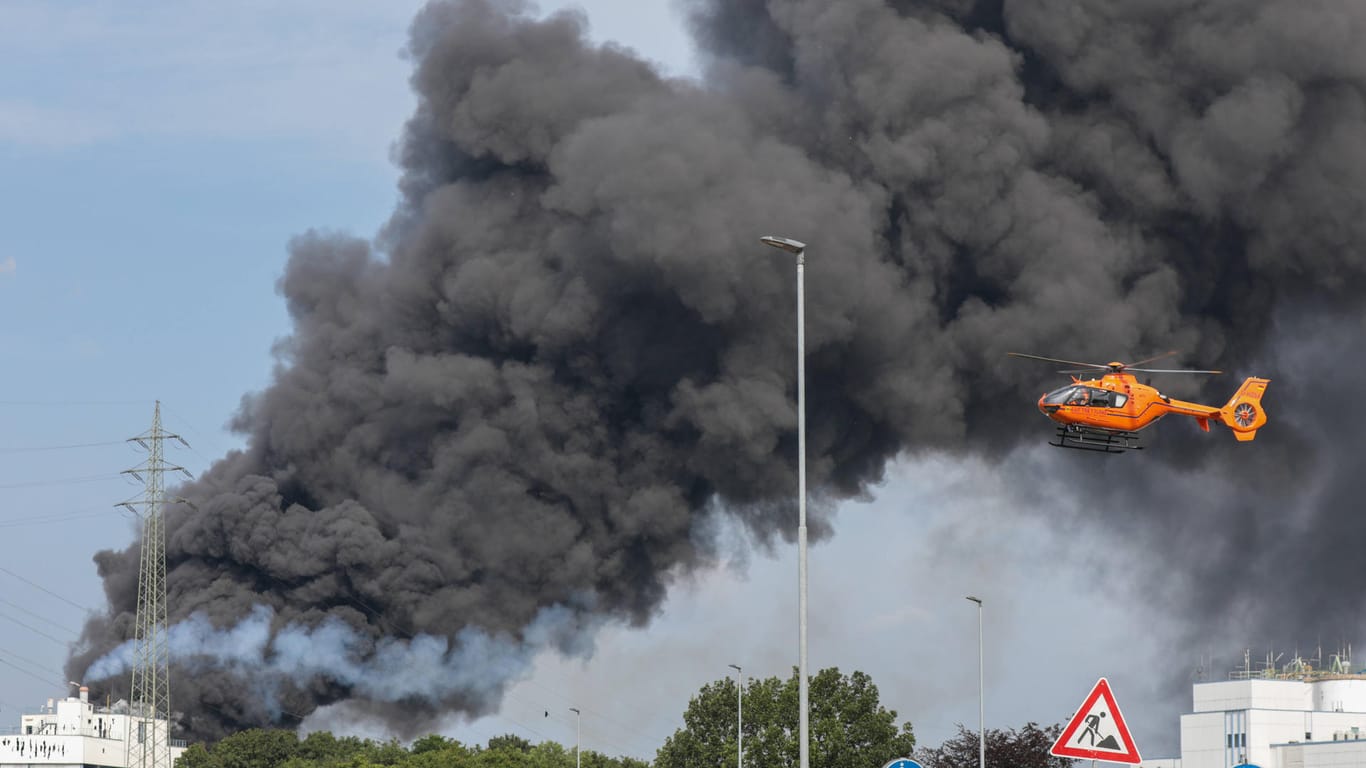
(1299, 715)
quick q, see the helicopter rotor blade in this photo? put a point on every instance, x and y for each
(1092, 366)
(1172, 370)
(1152, 359)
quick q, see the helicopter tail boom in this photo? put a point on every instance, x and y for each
(1243, 414)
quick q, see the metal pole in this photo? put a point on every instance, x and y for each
(981, 697)
(739, 716)
(803, 694)
(798, 249)
(578, 736)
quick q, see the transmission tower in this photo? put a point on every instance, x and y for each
(148, 746)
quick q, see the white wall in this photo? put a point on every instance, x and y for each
(1252, 694)
(1332, 755)
(1202, 740)
(1325, 725)
(1272, 726)
(1340, 696)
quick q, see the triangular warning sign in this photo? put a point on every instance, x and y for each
(1097, 731)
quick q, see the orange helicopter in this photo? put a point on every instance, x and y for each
(1106, 414)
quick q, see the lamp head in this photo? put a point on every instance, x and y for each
(977, 600)
(735, 667)
(785, 243)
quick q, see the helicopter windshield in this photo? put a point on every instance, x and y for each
(1059, 396)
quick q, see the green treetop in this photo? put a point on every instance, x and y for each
(849, 726)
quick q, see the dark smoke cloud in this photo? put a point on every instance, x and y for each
(515, 420)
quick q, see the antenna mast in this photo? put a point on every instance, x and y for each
(149, 745)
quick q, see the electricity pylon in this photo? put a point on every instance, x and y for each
(148, 746)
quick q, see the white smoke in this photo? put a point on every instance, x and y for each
(476, 663)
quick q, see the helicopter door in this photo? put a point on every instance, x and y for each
(1100, 398)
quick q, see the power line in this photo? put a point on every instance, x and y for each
(61, 481)
(45, 520)
(21, 670)
(200, 436)
(41, 448)
(34, 664)
(32, 628)
(21, 609)
(41, 588)
(65, 403)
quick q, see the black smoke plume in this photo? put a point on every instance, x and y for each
(512, 418)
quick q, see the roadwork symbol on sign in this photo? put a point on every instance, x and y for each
(1097, 731)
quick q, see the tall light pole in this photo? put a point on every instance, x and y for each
(981, 699)
(739, 716)
(798, 249)
(578, 736)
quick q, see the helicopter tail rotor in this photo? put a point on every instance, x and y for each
(1244, 414)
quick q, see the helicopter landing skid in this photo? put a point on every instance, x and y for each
(1092, 439)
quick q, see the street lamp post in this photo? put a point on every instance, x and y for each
(798, 249)
(578, 737)
(981, 705)
(739, 716)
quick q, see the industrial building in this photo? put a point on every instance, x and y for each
(1301, 715)
(73, 732)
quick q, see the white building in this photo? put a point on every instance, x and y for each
(73, 733)
(1291, 718)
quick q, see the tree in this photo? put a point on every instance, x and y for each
(849, 727)
(438, 752)
(510, 741)
(431, 743)
(387, 753)
(258, 748)
(196, 756)
(255, 748)
(1024, 748)
(324, 749)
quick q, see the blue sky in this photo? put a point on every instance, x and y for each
(156, 158)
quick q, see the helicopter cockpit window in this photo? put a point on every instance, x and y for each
(1080, 396)
(1085, 396)
(1059, 396)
